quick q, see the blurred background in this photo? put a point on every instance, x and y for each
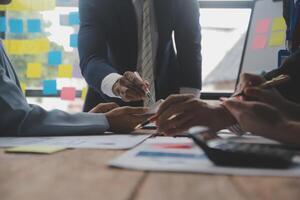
(49, 69)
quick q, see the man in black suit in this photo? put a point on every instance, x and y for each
(119, 37)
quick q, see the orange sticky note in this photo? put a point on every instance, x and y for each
(65, 71)
(262, 26)
(34, 70)
(68, 93)
(259, 42)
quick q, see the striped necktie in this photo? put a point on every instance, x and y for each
(146, 68)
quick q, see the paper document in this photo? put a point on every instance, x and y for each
(34, 149)
(91, 142)
(181, 155)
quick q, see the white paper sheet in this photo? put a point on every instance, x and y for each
(91, 142)
(148, 157)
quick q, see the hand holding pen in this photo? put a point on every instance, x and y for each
(131, 87)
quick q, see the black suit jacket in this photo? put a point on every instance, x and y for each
(108, 42)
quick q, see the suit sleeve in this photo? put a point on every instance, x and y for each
(92, 46)
(188, 42)
(290, 67)
(18, 118)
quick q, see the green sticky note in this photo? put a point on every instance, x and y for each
(34, 149)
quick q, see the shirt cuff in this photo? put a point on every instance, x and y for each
(108, 83)
(187, 90)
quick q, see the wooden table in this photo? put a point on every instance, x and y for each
(83, 175)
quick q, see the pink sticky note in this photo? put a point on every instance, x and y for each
(259, 42)
(262, 26)
(68, 93)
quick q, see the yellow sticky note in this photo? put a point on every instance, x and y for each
(29, 5)
(34, 70)
(277, 39)
(34, 149)
(83, 93)
(279, 24)
(23, 87)
(27, 47)
(65, 71)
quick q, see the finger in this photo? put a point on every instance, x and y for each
(176, 122)
(104, 107)
(265, 95)
(181, 129)
(251, 79)
(235, 107)
(135, 110)
(136, 81)
(173, 100)
(126, 83)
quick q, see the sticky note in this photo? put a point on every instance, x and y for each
(23, 87)
(16, 25)
(277, 39)
(34, 70)
(34, 149)
(83, 93)
(49, 87)
(278, 24)
(68, 93)
(29, 5)
(74, 40)
(27, 47)
(262, 26)
(65, 71)
(2, 24)
(74, 18)
(34, 25)
(259, 42)
(54, 58)
(77, 71)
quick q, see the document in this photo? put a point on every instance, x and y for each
(169, 154)
(34, 149)
(89, 142)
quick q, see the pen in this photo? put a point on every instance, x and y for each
(148, 93)
(268, 84)
(150, 120)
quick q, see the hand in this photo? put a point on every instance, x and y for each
(104, 107)
(130, 88)
(249, 80)
(259, 118)
(125, 119)
(180, 112)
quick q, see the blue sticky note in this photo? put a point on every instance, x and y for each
(2, 24)
(49, 87)
(16, 25)
(74, 18)
(54, 58)
(34, 25)
(74, 40)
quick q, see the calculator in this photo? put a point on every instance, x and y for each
(229, 153)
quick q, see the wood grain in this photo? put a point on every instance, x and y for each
(83, 175)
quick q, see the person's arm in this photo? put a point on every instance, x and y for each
(18, 118)
(188, 42)
(92, 47)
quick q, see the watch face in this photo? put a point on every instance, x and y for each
(5, 1)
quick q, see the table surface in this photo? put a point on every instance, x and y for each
(83, 174)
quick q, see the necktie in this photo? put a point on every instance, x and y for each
(146, 68)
